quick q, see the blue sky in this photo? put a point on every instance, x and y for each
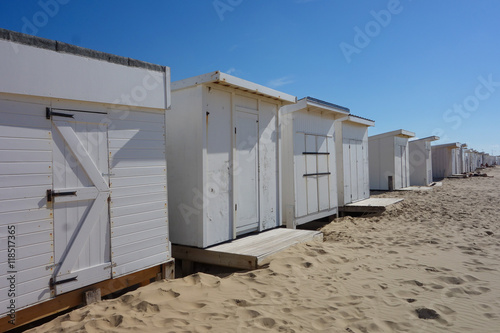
(431, 67)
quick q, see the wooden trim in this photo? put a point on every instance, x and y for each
(76, 297)
(206, 256)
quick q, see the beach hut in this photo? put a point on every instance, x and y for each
(462, 166)
(421, 161)
(351, 143)
(446, 160)
(308, 158)
(83, 196)
(468, 155)
(389, 160)
(224, 169)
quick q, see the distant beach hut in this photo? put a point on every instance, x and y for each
(309, 157)
(462, 163)
(351, 143)
(223, 152)
(389, 160)
(421, 161)
(446, 160)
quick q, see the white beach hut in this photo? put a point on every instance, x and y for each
(421, 161)
(389, 160)
(308, 157)
(462, 166)
(223, 159)
(351, 143)
(446, 160)
(83, 195)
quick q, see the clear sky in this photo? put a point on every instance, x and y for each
(431, 67)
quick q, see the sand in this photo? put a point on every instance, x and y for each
(436, 256)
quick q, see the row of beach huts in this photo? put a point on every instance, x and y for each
(104, 163)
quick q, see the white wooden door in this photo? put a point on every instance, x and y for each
(403, 174)
(247, 172)
(354, 171)
(346, 159)
(79, 198)
(324, 174)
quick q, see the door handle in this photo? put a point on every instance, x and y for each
(51, 194)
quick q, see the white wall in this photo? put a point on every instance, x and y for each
(201, 172)
(351, 131)
(138, 206)
(306, 197)
(25, 175)
(185, 137)
(420, 158)
(441, 162)
(381, 162)
(40, 72)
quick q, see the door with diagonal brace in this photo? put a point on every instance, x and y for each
(79, 198)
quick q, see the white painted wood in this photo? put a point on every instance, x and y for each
(81, 154)
(120, 182)
(146, 207)
(247, 161)
(233, 82)
(24, 215)
(138, 188)
(443, 160)
(91, 79)
(269, 166)
(308, 131)
(80, 221)
(352, 129)
(139, 217)
(389, 159)
(131, 228)
(420, 161)
(34, 159)
(205, 190)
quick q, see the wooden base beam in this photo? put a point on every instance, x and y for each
(77, 297)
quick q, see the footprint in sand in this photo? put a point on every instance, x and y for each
(115, 320)
(321, 324)
(451, 280)
(168, 294)
(147, 307)
(256, 293)
(247, 314)
(265, 322)
(176, 322)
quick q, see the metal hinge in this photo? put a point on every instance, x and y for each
(108, 174)
(235, 130)
(49, 113)
(51, 194)
(235, 206)
(53, 283)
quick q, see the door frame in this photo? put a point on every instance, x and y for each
(234, 178)
(63, 279)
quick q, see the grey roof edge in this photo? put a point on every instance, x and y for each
(328, 104)
(363, 118)
(448, 145)
(56, 46)
(399, 132)
(429, 138)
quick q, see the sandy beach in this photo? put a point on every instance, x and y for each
(435, 255)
